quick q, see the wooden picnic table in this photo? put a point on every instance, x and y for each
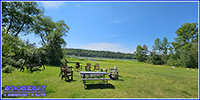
(90, 73)
(104, 69)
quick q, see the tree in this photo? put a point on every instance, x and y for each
(187, 34)
(157, 45)
(162, 47)
(43, 26)
(17, 17)
(55, 41)
(185, 45)
(140, 53)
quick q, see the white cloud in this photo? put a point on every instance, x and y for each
(107, 47)
(51, 5)
(78, 5)
(113, 35)
(118, 21)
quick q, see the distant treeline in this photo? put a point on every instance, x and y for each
(93, 53)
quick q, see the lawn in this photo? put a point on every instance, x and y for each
(137, 80)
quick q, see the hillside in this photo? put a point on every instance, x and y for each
(94, 53)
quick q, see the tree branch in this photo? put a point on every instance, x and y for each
(20, 29)
(10, 24)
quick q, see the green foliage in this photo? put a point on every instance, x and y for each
(186, 45)
(25, 17)
(187, 34)
(7, 69)
(161, 49)
(189, 59)
(64, 60)
(54, 43)
(14, 50)
(141, 53)
(93, 53)
(155, 58)
(18, 17)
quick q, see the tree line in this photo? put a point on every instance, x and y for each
(182, 52)
(95, 53)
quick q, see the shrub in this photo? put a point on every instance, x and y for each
(19, 63)
(8, 69)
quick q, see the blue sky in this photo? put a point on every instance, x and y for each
(118, 26)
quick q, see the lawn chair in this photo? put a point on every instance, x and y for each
(113, 73)
(96, 66)
(60, 69)
(65, 72)
(78, 66)
(88, 66)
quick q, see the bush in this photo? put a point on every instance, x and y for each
(8, 69)
(64, 60)
(19, 63)
(171, 62)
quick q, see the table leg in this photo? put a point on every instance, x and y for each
(83, 75)
(83, 84)
(71, 75)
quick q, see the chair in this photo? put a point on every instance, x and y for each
(68, 67)
(113, 73)
(88, 66)
(78, 66)
(96, 66)
(65, 72)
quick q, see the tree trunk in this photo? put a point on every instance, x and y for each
(20, 29)
(42, 39)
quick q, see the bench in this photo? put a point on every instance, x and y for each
(113, 73)
(34, 66)
(86, 79)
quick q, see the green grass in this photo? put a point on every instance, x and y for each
(136, 81)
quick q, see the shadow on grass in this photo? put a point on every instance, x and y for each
(37, 69)
(119, 76)
(69, 81)
(99, 86)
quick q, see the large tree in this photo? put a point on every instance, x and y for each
(55, 41)
(18, 17)
(185, 45)
(43, 26)
(162, 47)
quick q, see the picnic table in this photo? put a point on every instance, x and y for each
(104, 69)
(90, 73)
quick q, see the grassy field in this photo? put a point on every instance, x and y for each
(137, 80)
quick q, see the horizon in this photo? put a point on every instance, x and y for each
(118, 26)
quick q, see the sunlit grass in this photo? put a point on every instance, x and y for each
(137, 80)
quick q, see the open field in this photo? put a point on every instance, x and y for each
(137, 80)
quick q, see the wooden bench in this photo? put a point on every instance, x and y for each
(34, 66)
(113, 73)
(86, 79)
